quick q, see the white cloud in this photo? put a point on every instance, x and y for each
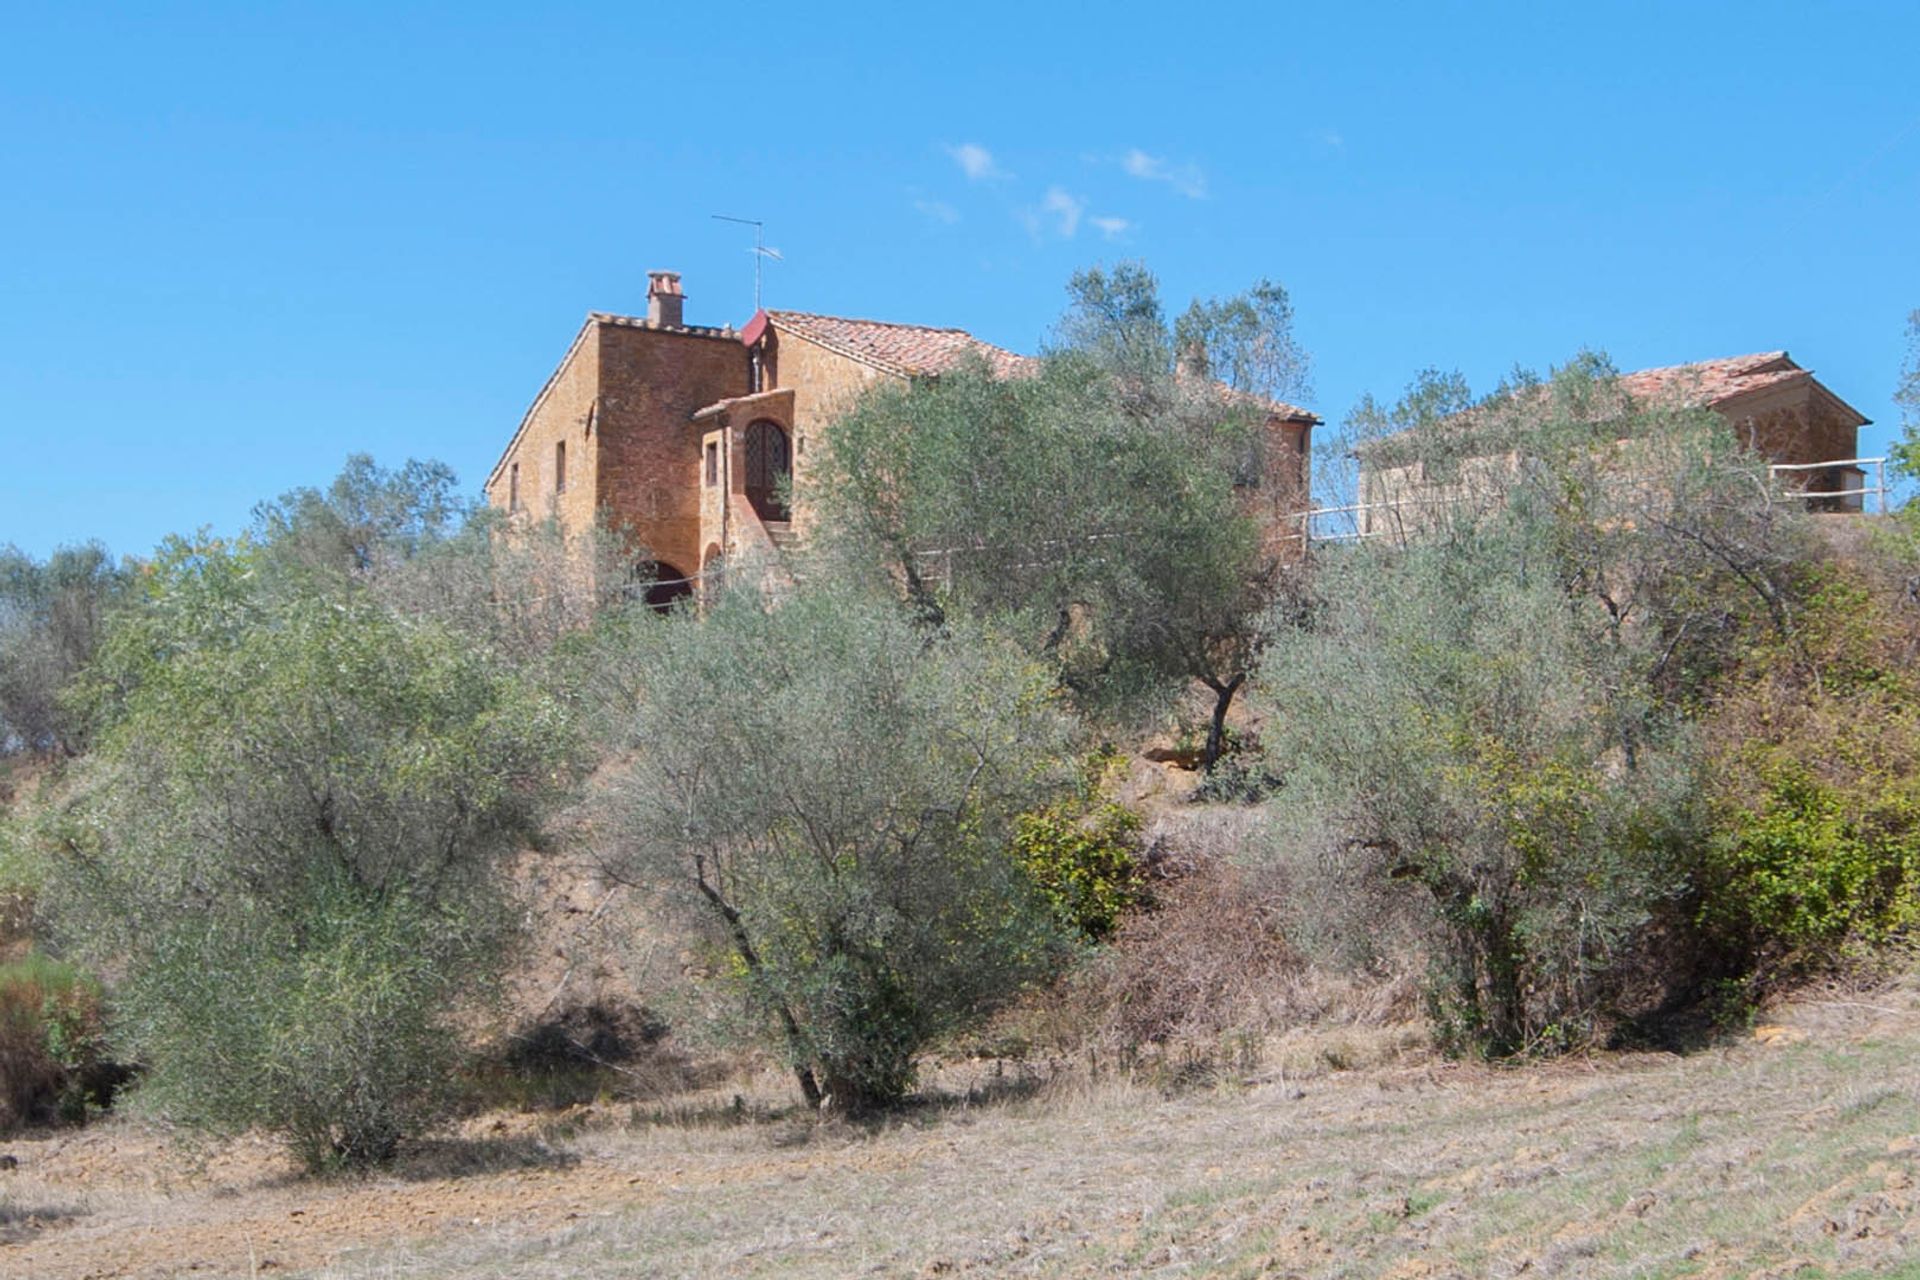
(1187, 179)
(937, 211)
(1065, 210)
(976, 162)
(1332, 138)
(1110, 227)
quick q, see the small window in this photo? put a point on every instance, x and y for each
(560, 467)
(713, 463)
(513, 487)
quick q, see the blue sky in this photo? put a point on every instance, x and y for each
(241, 242)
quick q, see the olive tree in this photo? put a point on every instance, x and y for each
(1491, 716)
(1095, 507)
(831, 788)
(287, 843)
(368, 516)
(52, 616)
(1906, 453)
(316, 744)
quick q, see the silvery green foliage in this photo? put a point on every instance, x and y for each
(1906, 452)
(831, 786)
(1483, 722)
(52, 616)
(287, 845)
(1094, 508)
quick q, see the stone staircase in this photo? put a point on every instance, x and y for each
(781, 534)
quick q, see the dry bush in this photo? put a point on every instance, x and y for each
(1211, 967)
(51, 1035)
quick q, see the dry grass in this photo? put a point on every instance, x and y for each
(1345, 1153)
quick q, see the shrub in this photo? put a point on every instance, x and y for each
(288, 841)
(1083, 853)
(1816, 743)
(833, 790)
(1815, 865)
(1492, 718)
(52, 1042)
(1205, 962)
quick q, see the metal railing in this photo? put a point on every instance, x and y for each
(1877, 488)
(1350, 522)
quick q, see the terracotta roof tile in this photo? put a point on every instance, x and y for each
(910, 349)
(1712, 382)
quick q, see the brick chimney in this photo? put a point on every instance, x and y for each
(664, 299)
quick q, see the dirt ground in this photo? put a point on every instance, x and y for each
(1793, 1151)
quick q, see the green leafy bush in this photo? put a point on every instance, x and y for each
(288, 842)
(1815, 865)
(52, 1043)
(1083, 853)
(1817, 783)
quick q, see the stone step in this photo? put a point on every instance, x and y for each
(781, 534)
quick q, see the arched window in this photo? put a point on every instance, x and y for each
(769, 464)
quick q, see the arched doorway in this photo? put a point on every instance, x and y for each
(661, 585)
(769, 463)
(713, 573)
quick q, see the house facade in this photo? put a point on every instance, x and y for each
(697, 440)
(1775, 407)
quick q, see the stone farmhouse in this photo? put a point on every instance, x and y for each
(1776, 408)
(695, 440)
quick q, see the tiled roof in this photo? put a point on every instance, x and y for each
(909, 349)
(641, 322)
(1277, 408)
(1713, 382)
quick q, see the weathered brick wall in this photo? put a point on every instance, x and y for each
(560, 414)
(649, 465)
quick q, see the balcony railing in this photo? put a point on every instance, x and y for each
(1878, 489)
(1358, 521)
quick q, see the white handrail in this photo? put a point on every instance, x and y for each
(1879, 485)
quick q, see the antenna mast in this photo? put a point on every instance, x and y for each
(759, 251)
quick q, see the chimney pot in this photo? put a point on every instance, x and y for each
(665, 300)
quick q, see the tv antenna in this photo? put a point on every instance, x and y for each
(760, 251)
